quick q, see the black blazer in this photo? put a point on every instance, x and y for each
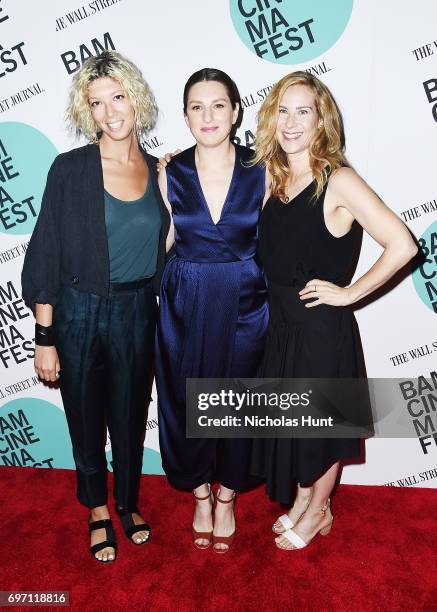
(69, 247)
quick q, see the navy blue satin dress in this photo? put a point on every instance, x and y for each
(213, 316)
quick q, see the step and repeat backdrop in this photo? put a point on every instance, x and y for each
(380, 60)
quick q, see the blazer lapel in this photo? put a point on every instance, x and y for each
(96, 210)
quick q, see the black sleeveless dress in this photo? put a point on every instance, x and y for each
(294, 247)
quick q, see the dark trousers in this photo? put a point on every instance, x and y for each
(105, 348)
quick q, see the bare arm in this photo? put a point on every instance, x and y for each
(44, 314)
(162, 182)
(355, 199)
(46, 357)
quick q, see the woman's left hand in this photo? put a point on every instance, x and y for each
(325, 293)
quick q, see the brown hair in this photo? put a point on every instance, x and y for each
(214, 74)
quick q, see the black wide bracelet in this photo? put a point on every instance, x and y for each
(44, 335)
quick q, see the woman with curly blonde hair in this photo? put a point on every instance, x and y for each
(90, 271)
(309, 237)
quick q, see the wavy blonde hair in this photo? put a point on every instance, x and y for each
(326, 148)
(116, 66)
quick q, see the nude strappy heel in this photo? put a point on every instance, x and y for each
(203, 535)
(227, 540)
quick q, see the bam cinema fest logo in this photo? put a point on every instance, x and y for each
(25, 158)
(425, 275)
(34, 433)
(430, 87)
(420, 396)
(12, 57)
(3, 15)
(290, 31)
(14, 348)
(74, 58)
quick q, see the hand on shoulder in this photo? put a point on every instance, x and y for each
(166, 159)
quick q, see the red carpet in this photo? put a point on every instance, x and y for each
(380, 555)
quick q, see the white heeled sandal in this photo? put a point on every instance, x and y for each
(286, 521)
(297, 541)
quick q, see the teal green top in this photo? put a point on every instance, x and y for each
(133, 230)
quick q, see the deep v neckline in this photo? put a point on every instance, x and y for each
(301, 192)
(202, 195)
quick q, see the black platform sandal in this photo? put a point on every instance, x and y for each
(110, 541)
(129, 526)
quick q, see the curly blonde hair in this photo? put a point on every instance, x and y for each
(326, 148)
(116, 66)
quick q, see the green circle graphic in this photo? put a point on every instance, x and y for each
(26, 155)
(34, 433)
(290, 31)
(425, 276)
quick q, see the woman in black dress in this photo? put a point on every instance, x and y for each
(309, 234)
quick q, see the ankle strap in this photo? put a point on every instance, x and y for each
(206, 496)
(225, 501)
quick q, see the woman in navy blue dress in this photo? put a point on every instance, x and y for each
(213, 309)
